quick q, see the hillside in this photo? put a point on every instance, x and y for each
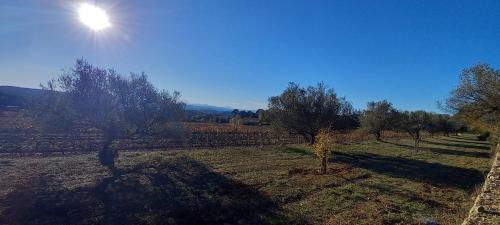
(18, 96)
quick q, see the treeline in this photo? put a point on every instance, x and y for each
(315, 112)
(380, 116)
(205, 117)
(124, 106)
(236, 117)
(307, 110)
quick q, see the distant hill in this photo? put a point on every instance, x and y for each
(207, 108)
(20, 91)
(17, 96)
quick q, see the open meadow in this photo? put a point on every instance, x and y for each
(368, 183)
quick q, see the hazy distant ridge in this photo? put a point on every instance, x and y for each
(16, 96)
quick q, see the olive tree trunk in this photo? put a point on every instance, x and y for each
(107, 154)
(417, 141)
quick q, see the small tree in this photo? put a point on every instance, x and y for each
(323, 148)
(438, 123)
(119, 107)
(449, 127)
(455, 125)
(305, 111)
(377, 117)
(413, 123)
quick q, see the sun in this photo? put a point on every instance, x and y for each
(93, 17)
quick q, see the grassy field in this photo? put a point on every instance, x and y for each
(368, 183)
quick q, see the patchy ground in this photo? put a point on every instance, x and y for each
(369, 183)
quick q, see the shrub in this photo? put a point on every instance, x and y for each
(322, 147)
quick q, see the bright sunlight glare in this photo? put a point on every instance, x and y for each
(93, 17)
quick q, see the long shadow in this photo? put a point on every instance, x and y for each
(481, 143)
(465, 140)
(297, 150)
(171, 191)
(444, 151)
(482, 147)
(406, 195)
(421, 171)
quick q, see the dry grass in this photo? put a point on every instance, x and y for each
(368, 183)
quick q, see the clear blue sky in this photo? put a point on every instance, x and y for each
(237, 53)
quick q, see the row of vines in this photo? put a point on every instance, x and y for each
(18, 137)
(30, 143)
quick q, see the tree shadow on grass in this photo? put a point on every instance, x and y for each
(465, 140)
(444, 151)
(166, 191)
(298, 150)
(459, 145)
(421, 171)
(410, 196)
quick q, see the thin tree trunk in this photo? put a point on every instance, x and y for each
(378, 135)
(312, 140)
(107, 155)
(417, 140)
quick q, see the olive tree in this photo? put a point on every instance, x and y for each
(438, 123)
(305, 111)
(413, 123)
(476, 100)
(118, 106)
(455, 125)
(377, 117)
